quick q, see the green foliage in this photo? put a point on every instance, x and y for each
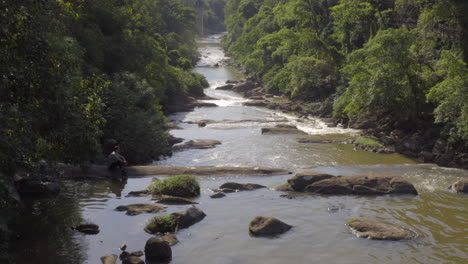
(382, 78)
(181, 185)
(77, 73)
(451, 96)
(161, 224)
(367, 142)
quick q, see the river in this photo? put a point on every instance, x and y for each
(319, 235)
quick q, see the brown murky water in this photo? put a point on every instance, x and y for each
(320, 234)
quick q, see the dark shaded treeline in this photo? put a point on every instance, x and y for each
(77, 77)
(383, 65)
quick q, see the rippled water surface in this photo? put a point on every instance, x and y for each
(319, 235)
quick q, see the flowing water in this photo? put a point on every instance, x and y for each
(319, 235)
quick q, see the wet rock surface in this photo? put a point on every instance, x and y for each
(198, 144)
(157, 249)
(240, 186)
(188, 217)
(285, 187)
(460, 186)
(141, 193)
(89, 229)
(379, 231)
(267, 226)
(282, 130)
(366, 184)
(301, 179)
(173, 200)
(217, 195)
(170, 238)
(109, 259)
(136, 209)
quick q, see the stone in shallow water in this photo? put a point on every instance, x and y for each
(167, 199)
(365, 184)
(90, 229)
(285, 187)
(109, 259)
(188, 217)
(460, 186)
(267, 226)
(157, 250)
(136, 209)
(301, 179)
(379, 231)
(217, 195)
(241, 186)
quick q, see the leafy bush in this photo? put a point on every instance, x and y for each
(181, 185)
(367, 142)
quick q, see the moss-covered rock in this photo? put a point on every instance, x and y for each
(161, 224)
(181, 185)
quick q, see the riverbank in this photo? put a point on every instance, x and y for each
(416, 141)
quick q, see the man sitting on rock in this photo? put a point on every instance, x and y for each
(117, 160)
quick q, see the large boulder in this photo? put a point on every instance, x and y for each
(136, 209)
(380, 231)
(366, 184)
(267, 226)
(188, 217)
(460, 186)
(109, 259)
(241, 186)
(301, 179)
(157, 250)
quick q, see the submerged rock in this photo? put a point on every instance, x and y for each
(157, 250)
(167, 199)
(90, 229)
(141, 193)
(285, 187)
(198, 144)
(217, 195)
(301, 179)
(132, 260)
(460, 186)
(366, 184)
(109, 259)
(374, 230)
(240, 186)
(267, 226)
(188, 217)
(136, 209)
(170, 238)
(282, 130)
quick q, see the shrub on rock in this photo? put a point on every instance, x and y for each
(161, 224)
(181, 185)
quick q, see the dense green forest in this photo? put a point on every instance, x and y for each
(399, 63)
(78, 76)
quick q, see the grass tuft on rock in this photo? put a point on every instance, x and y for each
(161, 224)
(367, 142)
(181, 185)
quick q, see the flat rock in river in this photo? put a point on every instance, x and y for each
(301, 179)
(241, 186)
(167, 199)
(365, 184)
(99, 171)
(380, 231)
(109, 259)
(281, 129)
(198, 144)
(136, 209)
